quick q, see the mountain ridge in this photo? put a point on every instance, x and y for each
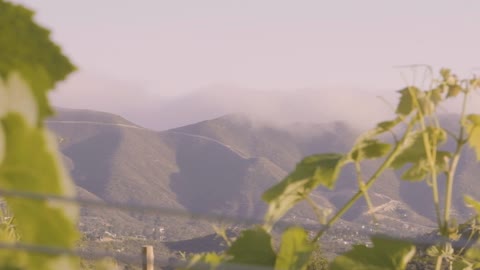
(219, 166)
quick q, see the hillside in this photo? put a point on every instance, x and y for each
(221, 166)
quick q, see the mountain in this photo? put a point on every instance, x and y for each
(138, 103)
(222, 166)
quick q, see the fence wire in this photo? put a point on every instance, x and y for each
(147, 209)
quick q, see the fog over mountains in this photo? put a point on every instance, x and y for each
(361, 108)
(223, 165)
(278, 107)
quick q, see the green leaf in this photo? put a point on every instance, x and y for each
(470, 202)
(475, 83)
(436, 95)
(295, 250)
(474, 119)
(253, 247)
(473, 256)
(31, 164)
(469, 261)
(454, 90)
(472, 125)
(462, 264)
(411, 97)
(370, 149)
(311, 172)
(420, 168)
(417, 172)
(384, 255)
(387, 125)
(26, 48)
(199, 261)
(406, 104)
(445, 73)
(414, 150)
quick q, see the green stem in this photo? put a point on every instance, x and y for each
(430, 154)
(386, 164)
(317, 210)
(453, 168)
(361, 186)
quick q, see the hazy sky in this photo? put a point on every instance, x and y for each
(170, 47)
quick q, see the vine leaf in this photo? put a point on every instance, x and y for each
(199, 261)
(470, 260)
(311, 172)
(253, 247)
(25, 47)
(454, 90)
(473, 255)
(470, 202)
(385, 254)
(295, 250)
(473, 128)
(39, 171)
(436, 95)
(406, 104)
(370, 149)
(414, 153)
(445, 73)
(386, 126)
(410, 96)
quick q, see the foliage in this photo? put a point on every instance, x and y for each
(415, 148)
(26, 47)
(30, 65)
(385, 254)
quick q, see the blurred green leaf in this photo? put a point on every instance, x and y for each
(311, 172)
(472, 126)
(436, 95)
(384, 255)
(470, 202)
(454, 90)
(200, 261)
(295, 250)
(445, 73)
(417, 172)
(370, 149)
(252, 247)
(387, 125)
(406, 104)
(414, 153)
(31, 165)
(26, 48)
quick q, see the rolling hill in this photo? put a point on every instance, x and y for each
(220, 166)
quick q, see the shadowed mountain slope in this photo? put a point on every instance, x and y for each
(222, 166)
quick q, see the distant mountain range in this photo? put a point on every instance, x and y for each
(222, 166)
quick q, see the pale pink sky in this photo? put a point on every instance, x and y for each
(171, 47)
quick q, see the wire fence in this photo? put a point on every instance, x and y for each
(126, 207)
(135, 259)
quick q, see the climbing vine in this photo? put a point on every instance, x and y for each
(415, 148)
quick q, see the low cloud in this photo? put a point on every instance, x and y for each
(360, 108)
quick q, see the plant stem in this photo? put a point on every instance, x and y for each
(361, 186)
(391, 157)
(430, 154)
(453, 167)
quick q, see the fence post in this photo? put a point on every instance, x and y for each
(147, 258)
